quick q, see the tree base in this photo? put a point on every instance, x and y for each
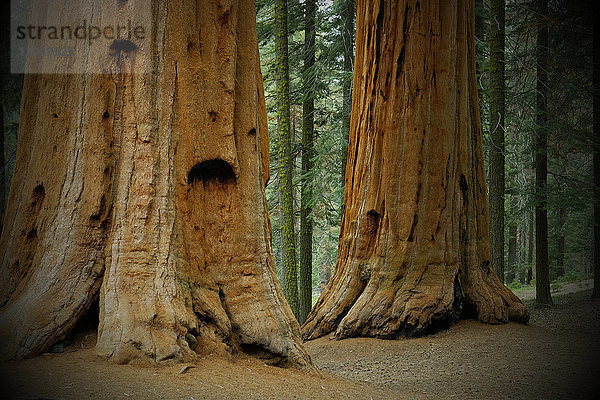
(415, 305)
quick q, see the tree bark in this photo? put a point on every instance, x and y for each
(348, 15)
(497, 145)
(281, 272)
(542, 268)
(531, 244)
(154, 201)
(512, 252)
(562, 242)
(414, 250)
(286, 162)
(479, 31)
(308, 125)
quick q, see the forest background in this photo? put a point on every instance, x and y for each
(320, 73)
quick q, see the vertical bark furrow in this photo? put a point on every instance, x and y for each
(173, 203)
(426, 267)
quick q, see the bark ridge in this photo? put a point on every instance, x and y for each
(147, 190)
(414, 250)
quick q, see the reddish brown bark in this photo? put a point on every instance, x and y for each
(414, 251)
(148, 190)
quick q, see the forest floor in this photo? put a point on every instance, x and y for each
(555, 356)
(528, 292)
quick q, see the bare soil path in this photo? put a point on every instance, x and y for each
(556, 356)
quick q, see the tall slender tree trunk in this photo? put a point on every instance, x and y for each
(596, 150)
(414, 250)
(349, 13)
(531, 244)
(147, 190)
(281, 272)
(308, 124)
(479, 32)
(286, 162)
(522, 253)
(497, 146)
(512, 252)
(562, 241)
(542, 278)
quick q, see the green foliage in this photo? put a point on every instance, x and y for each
(514, 285)
(569, 80)
(571, 276)
(325, 79)
(569, 129)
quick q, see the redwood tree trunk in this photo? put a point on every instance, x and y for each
(414, 249)
(148, 190)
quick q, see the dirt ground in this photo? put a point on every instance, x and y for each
(556, 356)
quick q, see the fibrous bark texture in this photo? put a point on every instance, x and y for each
(148, 190)
(414, 249)
(286, 162)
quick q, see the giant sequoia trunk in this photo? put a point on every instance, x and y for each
(147, 190)
(414, 250)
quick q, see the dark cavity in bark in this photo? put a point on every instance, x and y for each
(212, 170)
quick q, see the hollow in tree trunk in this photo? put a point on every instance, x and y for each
(414, 250)
(147, 190)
